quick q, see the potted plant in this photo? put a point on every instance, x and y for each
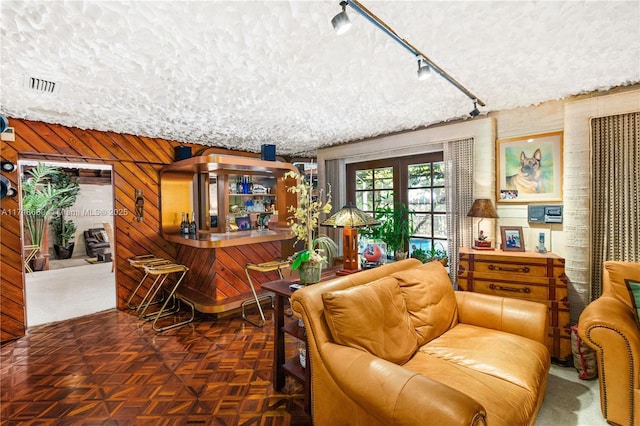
(303, 223)
(434, 253)
(40, 198)
(64, 230)
(395, 228)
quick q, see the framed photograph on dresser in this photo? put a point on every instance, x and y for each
(512, 238)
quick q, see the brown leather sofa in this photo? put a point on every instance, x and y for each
(609, 325)
(396, 345)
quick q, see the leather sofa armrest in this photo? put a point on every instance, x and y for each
(90, 240)
(396, 395)
(521, 317)
(609, 324)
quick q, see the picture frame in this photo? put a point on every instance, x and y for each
(243, 222)
(529, 168)
(512, 238)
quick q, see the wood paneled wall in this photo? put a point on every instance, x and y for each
(136, 161)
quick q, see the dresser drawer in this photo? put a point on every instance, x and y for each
(530, 288)
(512, 264)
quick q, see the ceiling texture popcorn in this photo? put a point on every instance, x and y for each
(239, 74)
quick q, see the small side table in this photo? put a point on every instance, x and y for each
(281, 366)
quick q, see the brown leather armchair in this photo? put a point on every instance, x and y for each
(609, 326)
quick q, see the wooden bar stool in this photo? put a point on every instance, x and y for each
(139, 262)
(274, 265)
(162, 272)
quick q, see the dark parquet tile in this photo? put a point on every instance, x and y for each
(111, 369)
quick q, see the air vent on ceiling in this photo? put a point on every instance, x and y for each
(40, 85)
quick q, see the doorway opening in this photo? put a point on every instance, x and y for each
(78, 279)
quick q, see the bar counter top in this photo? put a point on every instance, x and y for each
(205, 239)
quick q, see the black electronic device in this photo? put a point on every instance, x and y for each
(544, 214)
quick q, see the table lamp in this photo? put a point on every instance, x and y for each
(350, 218)
(482, 208)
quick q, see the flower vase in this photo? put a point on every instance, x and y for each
(310, 272)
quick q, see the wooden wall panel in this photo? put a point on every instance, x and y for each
(136, 162)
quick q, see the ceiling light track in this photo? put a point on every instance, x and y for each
(380, 24)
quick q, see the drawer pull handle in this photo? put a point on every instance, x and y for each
(524, 269)
(503, 288)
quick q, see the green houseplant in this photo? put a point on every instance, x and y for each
(40, 198)
(303, 223)
(434, 253)
(395, 229)
(64, 229)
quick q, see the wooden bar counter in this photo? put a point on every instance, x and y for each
(208, 186)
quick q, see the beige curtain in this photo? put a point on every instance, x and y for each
(615, 194)
(458, 159)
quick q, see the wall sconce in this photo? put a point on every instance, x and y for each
(139, 205)
(341, 24)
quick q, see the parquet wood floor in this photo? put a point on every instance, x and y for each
(110, 368)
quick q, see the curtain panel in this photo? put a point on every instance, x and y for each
(458, 159)
(615, 194)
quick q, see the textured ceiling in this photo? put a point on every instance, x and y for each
(241, 74)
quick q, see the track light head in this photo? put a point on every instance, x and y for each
(341, 22)
(475, 111)
(6, 190)
(424, 70)
(7, 166)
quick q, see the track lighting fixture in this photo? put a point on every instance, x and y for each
(7, 166)
(424, 72)
(6, 190)
(424, 63)
(475, 111)
(341, 22)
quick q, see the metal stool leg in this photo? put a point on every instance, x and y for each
(161, 312)
(139, 262)
(255, 300)
(260, 267)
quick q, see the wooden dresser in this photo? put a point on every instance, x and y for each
(524, 275)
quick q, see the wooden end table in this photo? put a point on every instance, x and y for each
(282, 366)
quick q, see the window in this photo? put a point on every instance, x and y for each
(417, 181)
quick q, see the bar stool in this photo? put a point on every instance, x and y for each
(273, 265)
(32, 250)
(162, 272)
(139, 262)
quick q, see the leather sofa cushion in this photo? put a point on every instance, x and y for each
(430, 300)
(506, 403)
(619, 272)
(372, 317)
(507, 356)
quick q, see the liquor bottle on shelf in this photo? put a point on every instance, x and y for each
(185, 230)
(238, 185)
(193, 228)
(184, 225)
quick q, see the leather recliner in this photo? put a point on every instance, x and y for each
(609, 325)
(95, 243)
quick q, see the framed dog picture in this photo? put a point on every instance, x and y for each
(529, 168)
(512, 239)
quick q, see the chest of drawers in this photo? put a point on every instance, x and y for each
(524, 275)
